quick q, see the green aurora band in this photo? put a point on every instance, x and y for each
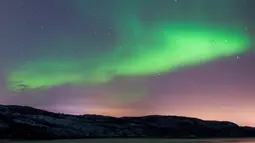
(141, 50)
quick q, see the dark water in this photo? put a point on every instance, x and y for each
(138, 141)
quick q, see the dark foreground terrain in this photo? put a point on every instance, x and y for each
(18, 122)
(140, 140)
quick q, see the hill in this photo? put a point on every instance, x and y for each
(22, 122)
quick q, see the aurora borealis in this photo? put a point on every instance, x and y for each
(149, 53)
(189, 58)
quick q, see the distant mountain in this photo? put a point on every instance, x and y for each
(21, 122)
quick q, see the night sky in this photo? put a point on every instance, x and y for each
(130, 57)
